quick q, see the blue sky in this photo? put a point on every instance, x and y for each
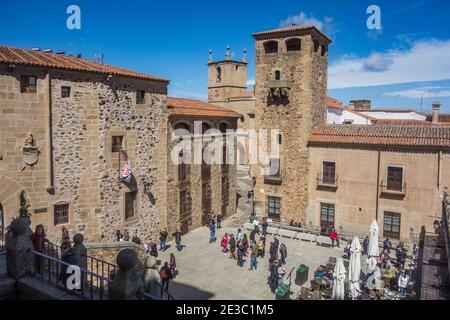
(409, 58)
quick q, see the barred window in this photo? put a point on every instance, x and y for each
(391, 225)
(271, 47)
(329, 172)
(61, 213)
(274, 206)
(65, 92)
(327, 211)
(395, 178)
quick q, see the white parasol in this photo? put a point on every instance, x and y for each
(374, 249)
(339, 280)
(354, 269)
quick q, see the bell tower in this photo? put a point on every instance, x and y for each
(226, 77)
(291, 89)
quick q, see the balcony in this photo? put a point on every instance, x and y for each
(328, 184)
(391, 192)
(279, 89)
(273, 179)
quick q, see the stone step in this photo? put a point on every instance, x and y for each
(7, 289)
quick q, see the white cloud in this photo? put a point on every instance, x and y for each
(423, 61)
(326, 25)
(251, 82)
(417, 93)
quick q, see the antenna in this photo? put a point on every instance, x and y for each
(99, 57)
(421, 102)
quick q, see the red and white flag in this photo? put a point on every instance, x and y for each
(126, 172)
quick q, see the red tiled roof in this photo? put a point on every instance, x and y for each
(196, 108)
(405, 122)
(417, 136)
(443, 117)
(335, 105)
(52, 60)
(289, 29)
(332, 102)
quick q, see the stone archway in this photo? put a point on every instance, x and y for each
(9, 199)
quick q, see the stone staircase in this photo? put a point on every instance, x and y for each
(244, 183)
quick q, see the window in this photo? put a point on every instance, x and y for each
(391, 225)
(185, 203)
(329, 172)
(183, 169)
(293, 45)
(140, 97)
(130, 205)
(327, 217)
(277, 75)
(219, 74)
(61, 212)
(279, 139)
(324, 51)
(65, 92)
(117, 142)
(395, 179)
(28, 84)
(316, 46)
(274, 206)
(271, 47)
(274, 169)
(347, 122)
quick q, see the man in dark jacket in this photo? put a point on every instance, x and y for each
(162, 240)
(240, 253)
(177, 237)
(166, 274)
(232, 244)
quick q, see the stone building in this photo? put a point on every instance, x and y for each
(394, 174)
(291, 92)
(67, 127)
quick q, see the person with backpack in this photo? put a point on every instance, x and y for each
(165, 275)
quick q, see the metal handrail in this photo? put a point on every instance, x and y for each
(50, 269)
(97, 266)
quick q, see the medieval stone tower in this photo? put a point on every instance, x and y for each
(226, 78)
(291, 90)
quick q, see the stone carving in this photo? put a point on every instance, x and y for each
(127, 284)
(30, 151)
(151, 277)
(24, 205)
(20, 259)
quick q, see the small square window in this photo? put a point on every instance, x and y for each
(61, 212)
(140, 97)
(65, 92)
(117, 143)
(28, 84)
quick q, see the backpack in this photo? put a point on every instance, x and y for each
(163, 274)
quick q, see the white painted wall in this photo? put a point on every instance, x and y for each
(338, 116)
(395, 115)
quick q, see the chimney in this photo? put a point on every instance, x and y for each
(228, 55)
(436, 107)
(48, 50)
(61, 52)
(360, 105)
(36, 49)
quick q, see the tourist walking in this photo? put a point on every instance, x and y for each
(232, 243)
(172, 264)
(261, 245)
(239, 236)
(212, 232)
(219, 220)
(274, 276)
(403, 281)
(249, 196)
(256, 225)
(415, 254)
(334, 238)
(276, 245)
(365, 246)
(177, 237)
(165, 275)
(387, 245)
(254, 256)
(245, 244)
(252, 236)
(162, 240)
(240, 254)
(224, 244)
(264, 226)
(283, 253)
(272, 252)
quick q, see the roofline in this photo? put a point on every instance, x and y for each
(227, 61)
(268, 34)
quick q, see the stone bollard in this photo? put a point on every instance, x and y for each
(151, 277)
(127, 284)
(20, 257)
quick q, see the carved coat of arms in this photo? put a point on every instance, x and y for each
(30, 151)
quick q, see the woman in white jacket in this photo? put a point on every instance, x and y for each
(403, 281)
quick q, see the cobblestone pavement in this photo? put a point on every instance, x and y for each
(205, 273)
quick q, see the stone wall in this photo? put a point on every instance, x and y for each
(85, 171)
(295, 117)
(108, 251)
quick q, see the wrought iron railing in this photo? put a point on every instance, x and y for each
(94, 265)
(52, 270)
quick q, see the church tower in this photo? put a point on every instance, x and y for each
(291, 90)
(226, 78)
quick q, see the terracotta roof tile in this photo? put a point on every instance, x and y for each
(289, 29)
(417, 136)
(443, 117)
(52, 60)
(188, 107)
(405, 122)
(332, 102)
